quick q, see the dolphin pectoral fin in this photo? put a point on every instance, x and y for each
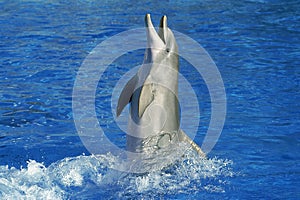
(185, 138)
(125, 96)
(146, 97)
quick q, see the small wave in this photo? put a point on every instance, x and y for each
(89, 177)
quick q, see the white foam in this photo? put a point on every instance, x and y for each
(30, 183)
(92, 175)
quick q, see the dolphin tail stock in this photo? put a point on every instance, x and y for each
(185, 138)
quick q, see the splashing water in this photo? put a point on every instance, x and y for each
(92, 176)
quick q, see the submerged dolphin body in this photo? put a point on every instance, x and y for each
(154, 121)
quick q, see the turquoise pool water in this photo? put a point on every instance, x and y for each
(255, 45)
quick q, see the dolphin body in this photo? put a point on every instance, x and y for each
(154, 121)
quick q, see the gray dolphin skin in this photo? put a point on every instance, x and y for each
(154, 120)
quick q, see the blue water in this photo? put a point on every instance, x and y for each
(256, 46)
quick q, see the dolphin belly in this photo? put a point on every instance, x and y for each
(159, 123)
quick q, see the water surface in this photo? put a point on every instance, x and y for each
(256, 47)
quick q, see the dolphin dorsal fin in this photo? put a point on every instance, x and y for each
(185, 138)
(126, 94)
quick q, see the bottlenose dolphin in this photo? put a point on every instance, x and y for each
(154, 120)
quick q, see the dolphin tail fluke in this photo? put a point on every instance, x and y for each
(185, 138)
